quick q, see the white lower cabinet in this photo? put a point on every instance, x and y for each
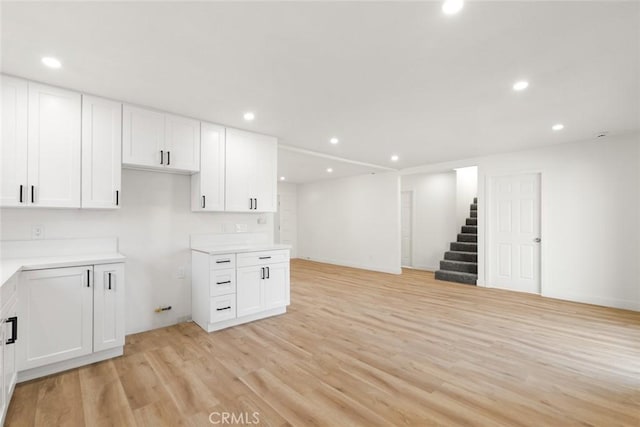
(231, 289)
(67, 313)
(8, 338)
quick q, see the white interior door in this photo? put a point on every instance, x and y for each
(406, 220)
(287, 221)
(514, 233)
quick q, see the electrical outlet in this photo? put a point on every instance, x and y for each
(241, 228)
(180, 274)
(37, 232)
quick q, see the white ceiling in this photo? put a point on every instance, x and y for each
(384, 77)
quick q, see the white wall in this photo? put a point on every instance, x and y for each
(590, 216)
(286, 219)
(466, 190)
(351, 221)
(153, 227)
(434, 217)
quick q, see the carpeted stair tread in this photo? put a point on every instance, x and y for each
(456, 276)
(474, 206)
(468, 237)
(474, 214)
(461, 256)
(462, 266)
(472, 221)
(470, 229)
(464, 246)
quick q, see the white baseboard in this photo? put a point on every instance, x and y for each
(354, 265)
(595, 300)
(65, 365)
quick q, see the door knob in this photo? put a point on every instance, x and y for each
(537, 240)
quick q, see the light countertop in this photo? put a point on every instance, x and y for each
(231, 249)
(10, 266)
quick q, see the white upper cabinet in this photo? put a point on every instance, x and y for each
(251, 168)
(182, 143)
(142, 137)
(156, 140)
(101, 152)
(13, 146)
(53, 167)
(207, 187)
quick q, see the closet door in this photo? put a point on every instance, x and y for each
(13, 146)
(53, 147)
(101, 152)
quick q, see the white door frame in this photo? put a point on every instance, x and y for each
(413, 226)
(486, 225)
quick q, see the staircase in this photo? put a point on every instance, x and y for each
(460, 264)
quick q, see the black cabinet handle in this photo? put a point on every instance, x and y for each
(20, 193)
(255, 204)
(109, 274)
(14, 329)
(223, 308)
(250, 204)
(204, 202)
(262, 270)
(264, 257)
(223, 261)
(168, 158)
(268, 273)
(223, 283)
(88, 278)
(117, 197)
(33, 197)
(162, 157)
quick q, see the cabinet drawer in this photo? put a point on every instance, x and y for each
(8, 290)
(223, 308)
(221, 262)
(222, 282)
(261, 258)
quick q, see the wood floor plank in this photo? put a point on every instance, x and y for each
(365, 348)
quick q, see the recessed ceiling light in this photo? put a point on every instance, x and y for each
(51, 62)
(557, 126)
(334, 140)
(394, 158)
(282, 178)
(248, 116)
(329, 170)
(521, 85)
(451, 7)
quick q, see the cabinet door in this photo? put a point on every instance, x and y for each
(108, 306)
(265, 173)
(276, 286)
(101, 152)
(13, 146)
(10, 371)
(142, 137)
(207, 187)
(182, 143)
(53, 147)
(240, 169)
(249, 298)
(56, 315)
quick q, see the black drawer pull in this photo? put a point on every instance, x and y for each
(14, 329)
(264, 257)
(224, 308)
(223, 283)
(223, 261)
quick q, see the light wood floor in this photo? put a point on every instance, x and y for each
(364, 348)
